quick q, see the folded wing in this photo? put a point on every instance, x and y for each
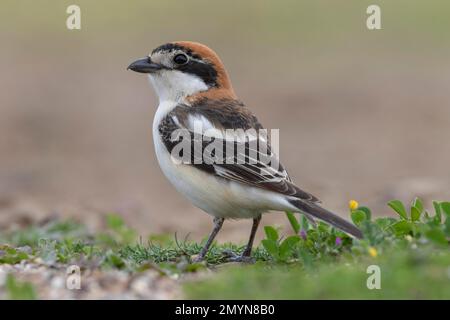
(251, 161)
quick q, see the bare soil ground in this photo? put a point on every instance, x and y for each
(51, 283)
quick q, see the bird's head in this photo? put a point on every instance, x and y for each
(185, 71)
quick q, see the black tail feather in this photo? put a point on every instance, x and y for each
(323, 214)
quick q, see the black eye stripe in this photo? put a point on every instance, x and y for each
(204, 71)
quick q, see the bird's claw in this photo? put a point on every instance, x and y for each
(233, 257)
(243, 259)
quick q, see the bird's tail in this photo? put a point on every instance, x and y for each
(323, 214)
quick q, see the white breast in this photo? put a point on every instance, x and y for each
(216, 196)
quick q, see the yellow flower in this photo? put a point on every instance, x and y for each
(353, 205)
(373, 252)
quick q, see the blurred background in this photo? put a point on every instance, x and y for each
(362, 114)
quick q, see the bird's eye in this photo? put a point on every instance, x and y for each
(180, 59)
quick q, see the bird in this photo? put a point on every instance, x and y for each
(194, 88)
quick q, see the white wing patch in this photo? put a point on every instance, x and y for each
(199, 121)
(252, 163)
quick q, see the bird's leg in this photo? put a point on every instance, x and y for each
(246, 255)
(248, 250)
(218, 222)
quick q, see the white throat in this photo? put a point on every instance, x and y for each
(174, 85)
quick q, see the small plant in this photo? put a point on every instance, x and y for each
(311, 243)
(418, 223)
(279, 249)
(11, 255)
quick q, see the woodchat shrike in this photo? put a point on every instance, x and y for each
(193, 87)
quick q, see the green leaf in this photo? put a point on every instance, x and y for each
(398, 207)
(114, 260)
(415, 214)
(287, 245)
(447, 227)
(307, 258)
(418, 204)
(271, 247)
(323, 227)
(422, 227)
(416, 209)
(445, 206)
(271, 233)
(358, 216)
(367, 212)
(437, 209)
(384, 223)
(11, 255)
(437, 235)
(402, 227)
(293, 221)
(305, 223)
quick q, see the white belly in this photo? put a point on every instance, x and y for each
(218, 197)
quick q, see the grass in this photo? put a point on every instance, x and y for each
(404, 275)
(406, 257)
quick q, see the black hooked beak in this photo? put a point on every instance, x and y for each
(144, 65)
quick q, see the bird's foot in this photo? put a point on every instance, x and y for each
(242, 259)
(233, 257)
(197, 259)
